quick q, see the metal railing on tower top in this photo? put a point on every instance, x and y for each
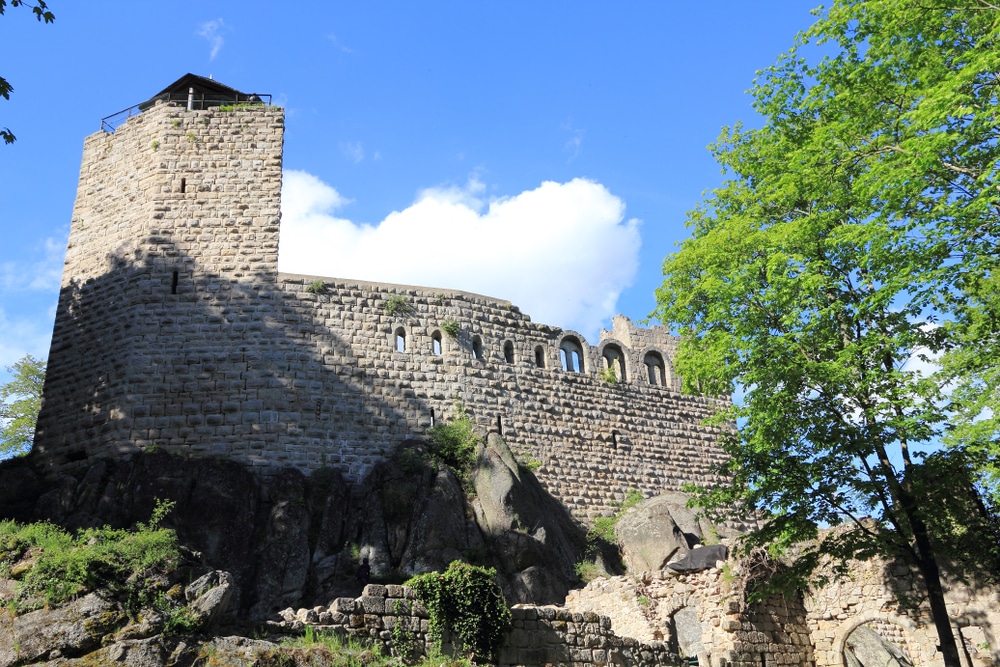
(191, 101)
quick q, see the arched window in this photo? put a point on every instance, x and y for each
(477, 348)
(508, 352)
(614, 360)
(655, 369)
(400, 339)
(540, 356)
(436, 343)
(571, 355)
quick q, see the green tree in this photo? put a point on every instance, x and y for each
(42, 13)
(20, 401)
(840, 251)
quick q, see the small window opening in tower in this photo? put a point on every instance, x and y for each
(432, 417)
(614, 440)
(477, 348)
(400, 339)
(436, 343)
(540, 356)
(614, 360)
(655, 369)
(499, 424)
(571, 355)
(173, 283)
(508, 352)
(183, 185)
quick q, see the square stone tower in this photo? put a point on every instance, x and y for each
(174, 228)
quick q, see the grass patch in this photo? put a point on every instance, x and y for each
(52, 566)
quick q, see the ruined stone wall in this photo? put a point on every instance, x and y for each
(537, 635)
(175, 331)
(695, 615)
(889, 599)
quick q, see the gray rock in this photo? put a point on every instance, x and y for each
(71, 630)
(530, 534)
(649, 536)
(210, 596)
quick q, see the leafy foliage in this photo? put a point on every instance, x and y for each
(20, 401)
(42, 13)
(451, 327)
(467, 601)
(316, 287)
(838, 258)
(52, 566)
(397, 305)
(455, 442)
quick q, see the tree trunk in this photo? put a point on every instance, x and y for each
(935, 592)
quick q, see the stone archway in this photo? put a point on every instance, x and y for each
(904, 650)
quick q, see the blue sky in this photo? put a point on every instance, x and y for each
(542, 152)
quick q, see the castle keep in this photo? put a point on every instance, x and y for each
(175, 330)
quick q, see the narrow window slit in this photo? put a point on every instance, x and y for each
(173, 283)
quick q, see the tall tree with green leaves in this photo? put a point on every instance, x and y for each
(41, 12)
(839, 255)
(20, 401)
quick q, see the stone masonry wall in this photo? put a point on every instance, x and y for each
(175, 331)
(537, 636)
(694, 615)
(175, 225)
(888, 598)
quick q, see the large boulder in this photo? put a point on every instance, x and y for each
(531, 534)
(649, 536)
(70, 630)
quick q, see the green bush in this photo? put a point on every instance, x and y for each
(451, 327)
(397, 305)
(316, 287)
(467, 601)
(65, 566)
(455, 442)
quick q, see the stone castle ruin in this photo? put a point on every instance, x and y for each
(175, 331)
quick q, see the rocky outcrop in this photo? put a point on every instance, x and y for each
(662, 530)
(530, 534)
(291, 540)
(99, 622)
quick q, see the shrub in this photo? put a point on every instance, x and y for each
(316, 287)
(397, 305)
(64, 565)
(455, 442)
(467, 601)
(587, 571)
(450, 327)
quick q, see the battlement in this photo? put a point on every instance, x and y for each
(175, 330)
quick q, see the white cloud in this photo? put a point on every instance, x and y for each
(34, 273)
(21, 336)
(353, 150)
(562, 252)
(337, 43)
(575, 142)
(211, 30)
